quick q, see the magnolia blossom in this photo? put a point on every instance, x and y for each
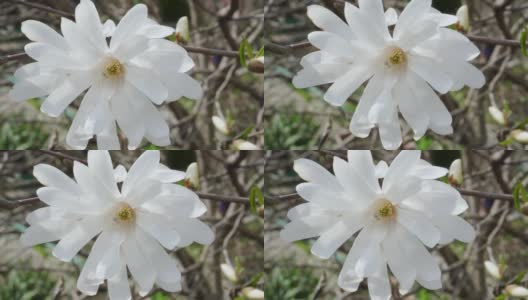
(133, 223)
(403, 67)
(123, 78)
(394, 221)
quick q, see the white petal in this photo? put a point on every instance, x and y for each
(183, 85)
(429, 71)
(361, 161)
(143, 192)
(159, 227)
(88, 20)
(304, 210)
(192, 230)
(79, 236)
(84, 49)
(322, 195)
(404, 190)
(143, 167)
(331, 43)
(40, 32)
(412, 109)
(400, 167)
(92, 186)
(131, 48)
(315, 173)
(156, 31)
(453, 227)
(374, 9)
(345, 86)
(180, 202)
(166, 175)
(148, 83)
(328, 21)
(419, 225)
(108, 28)
(168, 276)
(379, 286)
(127, 118)
(365, 28)
(314, 75)
(61, 97)
(428, 273)
(24, 90)
(366, 249)
(118, 287)
(357, 188)
(49, 56)
(61, 199)
(391, 16)
(416, 35)
(399, 261)
(334, 237)
(360, 125)
(139, 265)
(306, 227)
(413, 12)
(425, 170)
(100, 164)
(128, 25)
(35, 235)
(53, 177)
(157, 131)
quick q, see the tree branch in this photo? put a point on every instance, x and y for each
(44, 8)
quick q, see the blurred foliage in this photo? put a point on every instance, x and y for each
(291, 132)
(21, 136)
(27, 285)
(290, 284)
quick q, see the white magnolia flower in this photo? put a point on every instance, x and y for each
(123, 78)
(402, 67)
(220, 124)
(244, 145)
(182, 30)
(253, 293)
(463, 17)
(516, 291)
(394, 221)
(229, 272)
(456, 175)
(493, 270)
(520, 136)
(192, 176)
(134, 223)
(498, 115)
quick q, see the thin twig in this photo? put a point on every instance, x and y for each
(44, 8)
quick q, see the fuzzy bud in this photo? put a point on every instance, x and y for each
(182, 31)
(516, 291)
(456, 176)
(498, 115)
(463, 18)
(256, 65)
(253, 293)
(520, 136)
(192, 177)
(229, 272)
(493, 270)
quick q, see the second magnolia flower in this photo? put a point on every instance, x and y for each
(395, 220)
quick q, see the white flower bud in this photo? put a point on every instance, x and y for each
(497, 115)
(520, 136)
(456, 176)
(253, 293)
(182, 30)
(229, 272)
(192, 176)
(244, 145)
(516, 291)
(221, 125)
(493, 270)
(256, 65)
(463, 18)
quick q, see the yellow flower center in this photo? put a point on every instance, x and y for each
(114, 69)
(125, 214)
(396, 57)
(385, 210)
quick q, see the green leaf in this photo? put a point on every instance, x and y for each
(519, 194)
(255, 199)
(507, 142)
(260, 53)
(244, 135)
(518, 279)
(524, 37)
(242, 52)
(255, 279)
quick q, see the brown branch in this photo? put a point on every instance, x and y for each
(44, 8)
(495, 196)
(64, 156)
(205, 51)
(288, 49)
(224, 26)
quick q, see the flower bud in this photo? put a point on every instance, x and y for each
(497, 115)
(256, 65)
(516, 291)
(493, 270)
(244, 145)
(182, 31)
(520, 136)
(229, 272)
(456, 176)
(463, 18)
(192, 177)
(253, 293)
(221, 125)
